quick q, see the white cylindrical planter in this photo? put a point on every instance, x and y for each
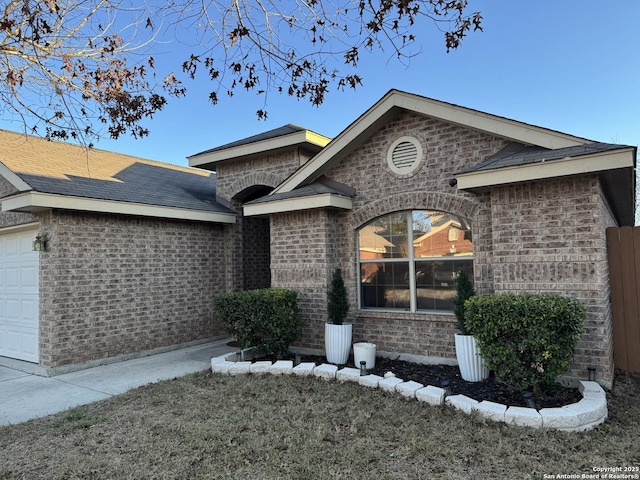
(471, 364)
(364, 352)
(337, 342)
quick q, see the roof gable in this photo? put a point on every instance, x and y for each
(394, 101)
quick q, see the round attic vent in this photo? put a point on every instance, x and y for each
(404, 156)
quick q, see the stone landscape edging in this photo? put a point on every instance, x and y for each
(586, 414)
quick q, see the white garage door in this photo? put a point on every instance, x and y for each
(19, 296)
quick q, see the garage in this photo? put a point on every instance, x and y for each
(19, 295)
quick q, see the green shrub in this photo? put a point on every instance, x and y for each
(464, 291)
(337, 301)
(268, 319)
(527, 340)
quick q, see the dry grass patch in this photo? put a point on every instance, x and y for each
(266, 427)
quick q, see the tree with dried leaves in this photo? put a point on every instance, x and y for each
(79, 68)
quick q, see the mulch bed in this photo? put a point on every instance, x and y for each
(491, 389)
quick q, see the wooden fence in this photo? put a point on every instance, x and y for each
(623, 246)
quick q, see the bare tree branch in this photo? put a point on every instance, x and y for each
(77, 67)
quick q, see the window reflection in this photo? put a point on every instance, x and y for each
(413, 255)
(385, 285)
(386, 237)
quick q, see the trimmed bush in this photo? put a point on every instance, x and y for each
(268, 319)
(527, 340)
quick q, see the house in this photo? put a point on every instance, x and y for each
(522, 207)
(409, 194)
(130, 259)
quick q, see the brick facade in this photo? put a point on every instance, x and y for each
(550, 238)
(545, 236)
(302, 259)
(448, 149)
(113, 285)
(246, 260)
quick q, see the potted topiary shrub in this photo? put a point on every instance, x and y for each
(472, 366)
(337, 334)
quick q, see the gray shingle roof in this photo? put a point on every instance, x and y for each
(70, 170)
(322, 186)
(517, 154)
(276, 132)
(139, 183)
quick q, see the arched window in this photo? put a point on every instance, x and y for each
(411, 260)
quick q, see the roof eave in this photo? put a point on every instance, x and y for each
(37, 201)
(594, 163)
(307, 139)
(325, 200)
(616, 169)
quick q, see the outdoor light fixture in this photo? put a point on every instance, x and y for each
(363, 368)
(40, 244)
(445, 386)
(528, 398)
(453, 182)
(592, 373)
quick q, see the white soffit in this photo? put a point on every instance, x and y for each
(541, 170)
(35, 201)
(261, 146)
(480, 121)
(301, 203)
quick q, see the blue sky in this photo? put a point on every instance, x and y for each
(570, 65)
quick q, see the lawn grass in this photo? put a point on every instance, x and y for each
(268, 427)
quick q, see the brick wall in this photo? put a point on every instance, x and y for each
(301, 259)
(246, 260)
(256, 251)
(448, 149)
(539, 237)
(113, 285)
(549, 237)
(380, 192)
(235, 176)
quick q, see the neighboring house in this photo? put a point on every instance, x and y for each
(411, 193)
(524, 208)
(131, 259)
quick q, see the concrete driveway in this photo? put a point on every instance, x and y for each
(24, 395)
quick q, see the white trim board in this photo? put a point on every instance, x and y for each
(36, 201)
(259, 147)
(301, 203)
(594, 163)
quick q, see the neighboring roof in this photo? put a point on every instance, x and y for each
(396, 101)
(50, 174)
(286, 136)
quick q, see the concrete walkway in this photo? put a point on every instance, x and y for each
(24, 395)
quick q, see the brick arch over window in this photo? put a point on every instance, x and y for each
(444, 202)
(252, 179)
